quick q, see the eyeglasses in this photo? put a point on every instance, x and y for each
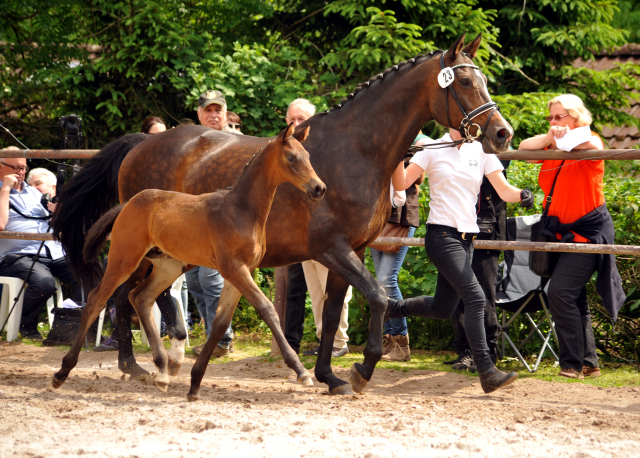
(16, 169)
(235, 126)
(556, 117)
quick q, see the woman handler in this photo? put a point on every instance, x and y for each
(455, 174)
(577, 213)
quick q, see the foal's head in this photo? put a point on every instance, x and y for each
(294, 164)
(468, 92)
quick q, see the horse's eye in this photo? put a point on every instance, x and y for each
(465, 82)
(291, 158)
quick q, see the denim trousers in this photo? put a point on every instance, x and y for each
(456, 280)
(570, 310)
(485, 268)
(205, 285)
(387, 268)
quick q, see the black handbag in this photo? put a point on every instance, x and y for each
(540, 261)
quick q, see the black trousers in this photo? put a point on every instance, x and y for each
(485, 267)
(570, 310)
(294, 313)
(41, 284)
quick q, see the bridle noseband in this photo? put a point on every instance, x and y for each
(466, 122)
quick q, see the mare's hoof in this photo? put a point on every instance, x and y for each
(358, 382)
(305, 380)
(56, 382)
(193, 396)
(173, 368)
(342, 390)
(134, 370)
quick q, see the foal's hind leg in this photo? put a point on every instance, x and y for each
(226, 306)
(96, 302)
(175, 329)
(164, 273)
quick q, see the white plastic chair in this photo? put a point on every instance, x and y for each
(10, 288)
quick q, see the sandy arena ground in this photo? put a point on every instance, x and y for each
(252, 408)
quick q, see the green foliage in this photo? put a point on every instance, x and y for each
(628, 18)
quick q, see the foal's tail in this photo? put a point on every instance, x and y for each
(86, 196)
(97, 235)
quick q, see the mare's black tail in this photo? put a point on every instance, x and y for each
(85, 198)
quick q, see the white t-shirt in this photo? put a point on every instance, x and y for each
(455, 177)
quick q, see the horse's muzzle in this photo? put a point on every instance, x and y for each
(316, 189)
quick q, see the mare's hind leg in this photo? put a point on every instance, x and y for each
(126, 360)
(175, 329)
(226, 306)
(343, 261)
(96, 302)
(164, 273)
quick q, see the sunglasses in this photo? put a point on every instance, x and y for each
(235, 126)
(16, 169)
(556, 117)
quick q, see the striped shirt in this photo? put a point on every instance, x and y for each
(28, 202)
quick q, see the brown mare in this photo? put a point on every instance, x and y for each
(354, 148)
(224, 230)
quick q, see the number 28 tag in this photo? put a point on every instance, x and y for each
(445, 77)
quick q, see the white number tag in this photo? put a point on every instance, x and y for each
(445, 77)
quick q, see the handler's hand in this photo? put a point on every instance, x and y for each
(526, 198)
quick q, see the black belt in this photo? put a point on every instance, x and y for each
(466, 236)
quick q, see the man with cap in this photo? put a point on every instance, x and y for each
(206, 284)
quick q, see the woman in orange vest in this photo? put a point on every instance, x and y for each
(577, 213)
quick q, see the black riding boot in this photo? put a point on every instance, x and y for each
(414, 306)
(493, 379)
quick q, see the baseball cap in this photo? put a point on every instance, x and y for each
(209, 97)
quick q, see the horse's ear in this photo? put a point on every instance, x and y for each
(455, 48)
(287, 133)
(302, 136)
(472, 48)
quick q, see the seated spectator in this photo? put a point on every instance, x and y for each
(43, 180)
(21, 210)
(153, 125)
(234, 122)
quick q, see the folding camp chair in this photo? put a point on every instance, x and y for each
(522, 292)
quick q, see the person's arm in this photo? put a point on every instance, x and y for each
(508, 192)
(8, 183)
(403, 178)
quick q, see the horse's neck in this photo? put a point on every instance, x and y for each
(256, 187)
(385, 117)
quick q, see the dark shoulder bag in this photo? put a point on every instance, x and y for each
(539, 261)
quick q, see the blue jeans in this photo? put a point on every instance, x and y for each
(387, 268)
(205, 285)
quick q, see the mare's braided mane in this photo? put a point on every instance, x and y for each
(418, 59)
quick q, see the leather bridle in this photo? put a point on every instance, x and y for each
(466, 122)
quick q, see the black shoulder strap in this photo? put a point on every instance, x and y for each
(42, 218)
(548, 201)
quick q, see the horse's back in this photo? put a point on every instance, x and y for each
(182, 159)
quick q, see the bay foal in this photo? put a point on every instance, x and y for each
(175, 231)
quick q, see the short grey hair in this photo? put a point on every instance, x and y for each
(305, 103)
(49, 176)
(574, 105)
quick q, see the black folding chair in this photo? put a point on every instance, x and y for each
(520, 291)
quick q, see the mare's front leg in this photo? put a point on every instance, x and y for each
(346, 267)
(226, 306)
(126, 360)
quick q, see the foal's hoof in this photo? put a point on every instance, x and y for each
(305, 380)
(358, 382)
(342, 390)
(57, 382)
(162, 386)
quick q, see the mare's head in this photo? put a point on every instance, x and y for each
(464, 103)
(294, 164)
